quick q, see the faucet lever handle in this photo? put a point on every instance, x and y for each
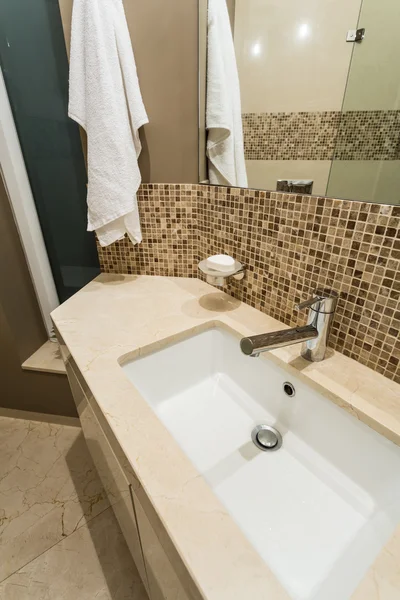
(308, 303)
(326, 301)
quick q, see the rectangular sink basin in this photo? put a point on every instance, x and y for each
(320, 508)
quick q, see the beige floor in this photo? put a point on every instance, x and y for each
(59, 539)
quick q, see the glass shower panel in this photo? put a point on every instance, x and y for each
(35, 67)
(366, 163)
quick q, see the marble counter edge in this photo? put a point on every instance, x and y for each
(346, 393)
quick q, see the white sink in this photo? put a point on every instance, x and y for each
(319, 509)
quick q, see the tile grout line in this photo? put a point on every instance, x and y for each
(53, 545)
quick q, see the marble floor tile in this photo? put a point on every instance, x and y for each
(92, 563)
(49, 487)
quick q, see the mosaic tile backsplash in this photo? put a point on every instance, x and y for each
(168, 217)
(290, 136)
(291, 245)
(368, 135)
(335, 135)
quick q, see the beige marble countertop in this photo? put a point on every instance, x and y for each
(46, 359)
(116, 315)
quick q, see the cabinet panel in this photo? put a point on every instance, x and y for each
(153, 563)
(164, 583)
(76, 388)
(111, 474)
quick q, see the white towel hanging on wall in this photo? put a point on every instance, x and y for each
(105, 99)
(225, 147)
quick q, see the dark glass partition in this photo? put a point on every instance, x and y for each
(35, 68)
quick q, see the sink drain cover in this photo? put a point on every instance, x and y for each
(266, 438)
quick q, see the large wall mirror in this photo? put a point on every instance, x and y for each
(302, 95)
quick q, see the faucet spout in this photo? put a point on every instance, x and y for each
(314, 335)
(254, 345)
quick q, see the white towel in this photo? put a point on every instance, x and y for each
(105, 99)
(225, 148)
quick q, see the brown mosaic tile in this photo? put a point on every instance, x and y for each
(291, 244)
(168, 215)
(351, 135)
(290, 136)
(368, 135)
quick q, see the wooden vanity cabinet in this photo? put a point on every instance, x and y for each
(153, 564)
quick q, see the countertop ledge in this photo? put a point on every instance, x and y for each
(120, 316)
(47, 359)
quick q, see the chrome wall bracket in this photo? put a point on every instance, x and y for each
(355, 35)
(219, 278)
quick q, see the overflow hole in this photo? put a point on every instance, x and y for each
(289, 389)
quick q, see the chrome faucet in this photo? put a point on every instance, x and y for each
(314, 335)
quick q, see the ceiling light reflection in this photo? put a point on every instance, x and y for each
(256, 49)
(303, 31)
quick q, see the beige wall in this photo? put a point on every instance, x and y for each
(368, 180)
(165, 41)
(22, 331)
(374, 80)
(293, 56)
(264, 174)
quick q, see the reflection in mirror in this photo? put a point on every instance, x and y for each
(225, 144)
(317, 109)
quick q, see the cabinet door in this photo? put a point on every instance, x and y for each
(111, 474)
(164, 583)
